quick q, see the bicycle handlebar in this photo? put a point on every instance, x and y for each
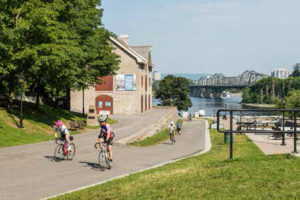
(96, 144)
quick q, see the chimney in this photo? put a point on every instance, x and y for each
(124, 39)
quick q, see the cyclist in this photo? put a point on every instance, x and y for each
(64, 133)
(178, 127)
(106, 135)
(172, 131)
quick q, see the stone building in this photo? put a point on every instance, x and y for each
(156, 76)
(127, 92)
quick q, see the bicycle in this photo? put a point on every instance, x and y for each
(61, 150)
(103, 156)
(172, 137)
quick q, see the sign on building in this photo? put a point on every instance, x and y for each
(126, 82)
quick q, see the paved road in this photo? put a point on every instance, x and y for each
(28, 172)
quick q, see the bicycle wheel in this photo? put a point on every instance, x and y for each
(71, 153)
(108, 163)
(173, 138)
(102, 160)
(59, 152)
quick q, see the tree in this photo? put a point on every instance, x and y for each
(293, 99)
(174, 91)
(58, 44)
(296, 72)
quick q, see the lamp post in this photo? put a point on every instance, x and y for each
(283, 122)
(21, 81)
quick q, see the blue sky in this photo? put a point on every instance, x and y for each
(210, 36)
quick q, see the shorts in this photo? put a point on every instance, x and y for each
(178, 129)
(109, 142)
(63, 137)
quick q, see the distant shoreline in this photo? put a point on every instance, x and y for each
(257, 105)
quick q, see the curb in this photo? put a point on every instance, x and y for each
(207, 148)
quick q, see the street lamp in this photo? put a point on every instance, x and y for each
(21, 81)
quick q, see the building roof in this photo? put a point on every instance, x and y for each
(140, 53)
(142, 50)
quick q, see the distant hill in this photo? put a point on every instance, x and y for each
(188, 76)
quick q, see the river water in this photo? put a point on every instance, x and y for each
(211, 105)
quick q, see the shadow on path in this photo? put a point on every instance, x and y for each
(167, 143)
(55, 159)
(94, 166)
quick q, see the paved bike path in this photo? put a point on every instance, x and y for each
(27, 172)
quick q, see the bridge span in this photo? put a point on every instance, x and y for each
(212, 87)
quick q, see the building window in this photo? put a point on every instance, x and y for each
(146, 83)
(107, 104)
(142, 81)
(99, 104)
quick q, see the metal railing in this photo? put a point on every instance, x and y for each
(292, 112)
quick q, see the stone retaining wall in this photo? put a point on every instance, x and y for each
(162, 123)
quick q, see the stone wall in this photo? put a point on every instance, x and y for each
(162, 123)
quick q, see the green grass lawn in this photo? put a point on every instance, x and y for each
(250, 175)
(38, 124)
(155, 139)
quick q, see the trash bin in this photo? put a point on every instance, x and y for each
(227, 138)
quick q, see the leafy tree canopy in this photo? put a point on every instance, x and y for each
(174, 91)
(58, 44)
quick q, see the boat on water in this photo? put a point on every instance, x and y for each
(225, 95)
(201, 112)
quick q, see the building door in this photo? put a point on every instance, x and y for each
(104, 103)
(142, 104)
(149, 101)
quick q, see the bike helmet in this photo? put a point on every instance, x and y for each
(102, 118)
(58, 123)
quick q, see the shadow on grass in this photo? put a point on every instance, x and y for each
(44, 114)
(13, 119)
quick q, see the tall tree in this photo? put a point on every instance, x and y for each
(296, 72)
(59, 44)
(174, 91)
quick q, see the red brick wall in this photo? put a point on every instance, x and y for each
(107, 84)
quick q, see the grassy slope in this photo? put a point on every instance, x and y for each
(38, 124)
(155, 139)
(251, 175)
